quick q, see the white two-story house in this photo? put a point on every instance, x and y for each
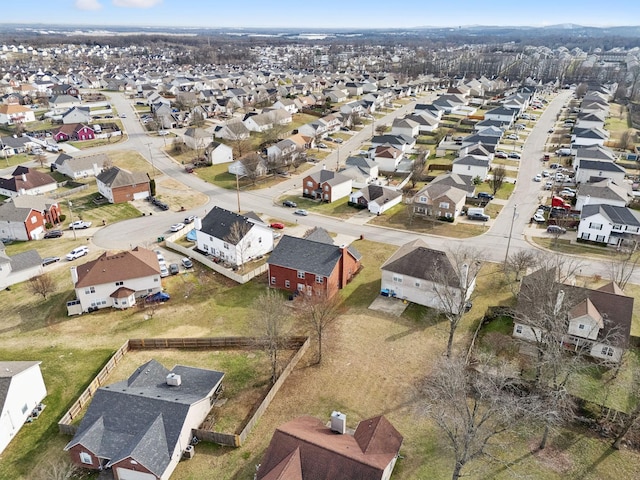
(608, 224)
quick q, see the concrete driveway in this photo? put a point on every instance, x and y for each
(392, 306)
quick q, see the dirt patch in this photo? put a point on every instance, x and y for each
(553, 458)
(178, 195)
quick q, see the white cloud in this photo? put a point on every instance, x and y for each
(136, 3)
(88, 4)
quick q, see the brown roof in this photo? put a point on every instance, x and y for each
(290, 468)
(137, 263)
(122, 292)
(325, 455)
(32, 179)
(612, 287)
(13, 108)
(587, 308)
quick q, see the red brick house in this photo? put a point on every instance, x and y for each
(24, 218)
(326, 185)
(118, 185)
(73, 131)
(312, 264)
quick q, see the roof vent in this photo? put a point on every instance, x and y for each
(338, 423)
(174, 380)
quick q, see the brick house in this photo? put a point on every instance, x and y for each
(326, 185)
(312, 263)
(24, 218)
(73, 131)
(119, 186)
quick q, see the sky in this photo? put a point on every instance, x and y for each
(321, 14)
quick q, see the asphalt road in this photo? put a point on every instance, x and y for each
(492, 244)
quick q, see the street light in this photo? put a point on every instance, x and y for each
(513, 218)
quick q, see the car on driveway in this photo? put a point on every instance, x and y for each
(289, 203)
(501, 154)
(49, 260)
(277, 225)
(174, 269)
(556, 229)
(79, 224)
(302, 212)
(164, 271)
(539, 218)
(484, 196)
(189, 219)
(514, 155)
(53, 234)
(187, 263)
(176, 227)
(77, 252)
(322, 145)
(512, 136)
(483, 217)
(338, 140)
(158, 297)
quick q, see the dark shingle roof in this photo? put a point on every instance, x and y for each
(604, 166)
(218, 222)
(617, 215)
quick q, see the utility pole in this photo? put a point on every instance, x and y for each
(153, 166)
(238, 190)
(513, 218)
(71, 215)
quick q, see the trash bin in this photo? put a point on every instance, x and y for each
(160, 239)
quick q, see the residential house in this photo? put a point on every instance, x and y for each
(24, 181)
(425, 120)
(589, 169)
(260, 122)
(196, 138)
(81, 167)
(326, 185)
(139, 428)
(376, 198)
(118, 185)
(10, 146)
(24, 217)
(77, 115)
(217, 153)
(477, 150)
(605, 191)
(62, 103)
(116, 280)
(287, 104)
(387, 157)
(232, 131)
(593, 152)
(437, 200)
(406, 127)
(490, 123)
(415, 273)
(12, 114)
(504, 115)
(608, 224)
(22, 389)
(312, 264)
(307, 449)
(239, 168)
(362, 171)
(283, 152)
(233, 238)
(401, 142)
(588, 137)
(463, 182)
(19, 267)
(73, 131)
(450, 103)
(591, 120)
(597, 321)
(476, 167)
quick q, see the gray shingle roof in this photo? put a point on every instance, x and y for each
(604, 166)
(218, 222)
(617, 215)
(25, 260)
(116, 177)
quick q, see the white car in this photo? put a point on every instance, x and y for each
(77, 252)
(79, 224)
(537, 178)
(164, 271)
(176, 227)
(512, 136)
(539, 218)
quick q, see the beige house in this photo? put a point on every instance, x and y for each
(439, 200)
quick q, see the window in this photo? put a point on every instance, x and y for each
(600, 238)
(90, 290)
(309, 183)
(443, 205)
(86, 458)
(273, 280)
(595, 226)
(287, 284)
(584, 236)
(300, 274)
(608, 351)
(422, 199)
(617, 227)
(119, 284)
(417, 284)
(581, 327)
(518, 328)
(25, 407)
(226, 246)
(397, 278)
(319, 279)
(326, 188)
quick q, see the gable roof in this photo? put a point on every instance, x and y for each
(463, 182)
(126, 265)
(116, 177)
(27, 179)
(416, 260)
(604, 166)
(218, 223)
(326, 455)
(615, 214)
(329, 177)
(8, 370)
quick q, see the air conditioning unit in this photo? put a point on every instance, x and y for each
(338, 423)
(174, 380)
(189, 452)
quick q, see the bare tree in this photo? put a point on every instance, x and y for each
(251, 164)
(60, 468)
(498, 175)
(474, 406)
(241, 146)
(381, 129)
(629, 420)
(581, 90)
(41, 158)
(317, 312)
(271, 324)
(42, 285)
(197, 118)
(454, 278)
(519, 262)
(628, 139)
(236, 236)
(622, 267)
(417, 168)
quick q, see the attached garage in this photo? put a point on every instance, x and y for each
(126, 474)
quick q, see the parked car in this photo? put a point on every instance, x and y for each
(512, 136)
(123, 115)
(548, 185)
(539, 218)
(49, 260)
(483, 217)
(189, 219)
(277, 225)
(500, 154)
(289, 203)
(77, 252)
(544, 208)
(554, 166)
(338, 140)
(550, 130)
(484, 196)
(79, 224)
(545, 173)
(567, 193)
(537, 178)
(158, 297)
(187, 263)
(514, 155)
(176, 227)
(174, 269)
(164, 271)
(53, 234)
(556, 229)
(322, 145)
(302, 212)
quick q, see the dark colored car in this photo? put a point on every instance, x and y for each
(290, 204)
(49, 260)
(158, 297)
(189, 219)
(478, 216)
(485, 196)
(556, 229)
(174, 269)
(53, 234)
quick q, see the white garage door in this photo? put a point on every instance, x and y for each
(140, 195)
(124, 474)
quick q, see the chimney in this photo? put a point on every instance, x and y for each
(197, 223)
(559, 301)
(24, 177)
(338, 423)
(174, 380)
(74, 275)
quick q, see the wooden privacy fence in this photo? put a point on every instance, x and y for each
(212, 343)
